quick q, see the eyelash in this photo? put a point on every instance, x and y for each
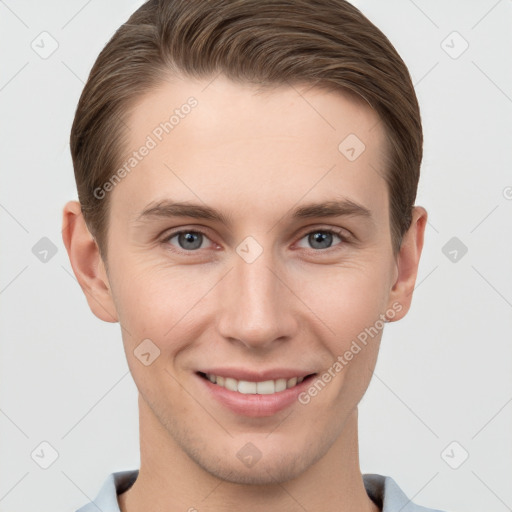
(340, 233)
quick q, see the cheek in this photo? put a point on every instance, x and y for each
(349, 304)
(347, 298)
(155, 301)
(163, 302)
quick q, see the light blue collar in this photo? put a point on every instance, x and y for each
(383, 490)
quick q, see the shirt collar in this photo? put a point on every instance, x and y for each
(383, 490)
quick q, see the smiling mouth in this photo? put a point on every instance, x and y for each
(245, 387)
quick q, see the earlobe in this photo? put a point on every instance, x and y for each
(407, 264)
(85, 259)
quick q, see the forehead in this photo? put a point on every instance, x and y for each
(240, 148)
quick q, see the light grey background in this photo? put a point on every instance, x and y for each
(444, 373)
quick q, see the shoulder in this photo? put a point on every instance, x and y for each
(114, 484)
(386, 493)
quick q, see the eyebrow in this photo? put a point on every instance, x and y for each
(334, 208)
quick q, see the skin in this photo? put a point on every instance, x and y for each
(255, 157)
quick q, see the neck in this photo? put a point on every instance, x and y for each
(170, 480)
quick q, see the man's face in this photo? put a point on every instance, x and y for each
(261, 292)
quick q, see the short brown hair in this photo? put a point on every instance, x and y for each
(328, 43)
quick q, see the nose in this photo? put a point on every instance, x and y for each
(256, 304)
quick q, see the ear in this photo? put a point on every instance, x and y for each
(407, 263)
(85, 259)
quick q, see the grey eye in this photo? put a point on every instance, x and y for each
(321, 239)
(188, 240)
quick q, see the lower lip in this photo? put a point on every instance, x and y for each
(254, 405)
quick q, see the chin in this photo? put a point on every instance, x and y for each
(273, 467)
(263, 473)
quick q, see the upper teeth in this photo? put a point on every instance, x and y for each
(266, 387)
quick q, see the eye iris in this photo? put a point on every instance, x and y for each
(190, 238)
(193, 240)
(324, 238)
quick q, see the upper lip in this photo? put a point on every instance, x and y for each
(257, 375)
